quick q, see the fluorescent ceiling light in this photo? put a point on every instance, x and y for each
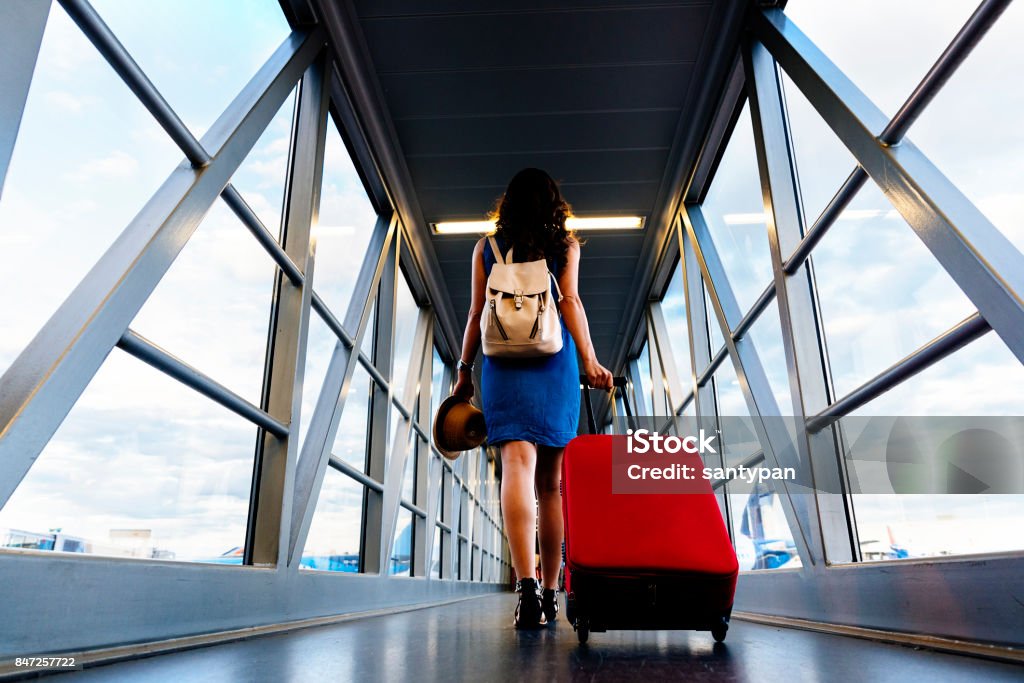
(463, 227)
(586, 223)
(605, 223)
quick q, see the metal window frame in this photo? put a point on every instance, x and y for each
(49, 376)
(986, 266)
(832, 589)
(268, 530)
(22, 23)
(52, 373)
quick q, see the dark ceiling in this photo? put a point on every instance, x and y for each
(598, 93)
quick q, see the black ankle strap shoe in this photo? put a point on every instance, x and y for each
(549, 604)
(528, 611)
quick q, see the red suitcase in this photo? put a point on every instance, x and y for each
(640, 561)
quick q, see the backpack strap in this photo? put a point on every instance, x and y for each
(497, 252)
(554, 281)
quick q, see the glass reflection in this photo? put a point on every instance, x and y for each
(335, 531)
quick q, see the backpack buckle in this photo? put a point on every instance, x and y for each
(518, 298)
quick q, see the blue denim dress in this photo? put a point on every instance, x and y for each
(531, 399)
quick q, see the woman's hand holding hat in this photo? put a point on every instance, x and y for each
(464, 386)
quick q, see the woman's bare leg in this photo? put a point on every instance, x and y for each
(518, 505)
(549, 475)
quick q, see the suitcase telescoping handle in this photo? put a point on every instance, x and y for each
(617, 383)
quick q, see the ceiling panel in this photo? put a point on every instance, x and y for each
(569, 167)
(597, 92)
(385, 8)
(601, 198)
(499, 40)
(498, 135)
(536, 91)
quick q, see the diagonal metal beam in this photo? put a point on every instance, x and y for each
(22, 23)
(702, 365)
(323, 425)
(659, 403)
(757, 392)
(270, 502)
(427, 467)
(979, 258)
(799, 313)
(972, 32)
(380, 411)
(666, 358)
(42, 384)
(401, 442)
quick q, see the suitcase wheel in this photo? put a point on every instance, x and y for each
(718, 632)
(583, 630)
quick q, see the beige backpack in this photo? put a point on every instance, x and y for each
(520, 319)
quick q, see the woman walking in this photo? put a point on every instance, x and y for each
(531, 404)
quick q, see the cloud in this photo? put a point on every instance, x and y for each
(116, 165)
(66, 101)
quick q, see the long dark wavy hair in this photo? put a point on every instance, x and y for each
(530, 217)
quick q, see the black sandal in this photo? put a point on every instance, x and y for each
(549, 604)
(528, 611)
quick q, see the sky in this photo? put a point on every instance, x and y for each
(141, 451)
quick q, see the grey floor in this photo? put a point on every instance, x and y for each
(473, 640)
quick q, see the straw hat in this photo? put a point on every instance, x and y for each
(458, 426)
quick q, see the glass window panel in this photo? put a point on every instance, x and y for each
(199, 54)
(438, 392)
(261, 177)
(344, 227)
(981, 379)
(673, 307)
(734, 211)
(984, 160)
(400, 563)
(397, 424)
(406, 316)
(766, 335)
(87, 158)
(409, 476)
(320, 345)
(761, 533)
(882, 292)
(739, 440)
(371, 332)
(142, 467)
(213, 305)
(435, 560)
(350, 441)
(890, 66)
(689, 412)
(714, 328)
(335, 531)
(212, 308)
(822, 161)
(643, 388)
